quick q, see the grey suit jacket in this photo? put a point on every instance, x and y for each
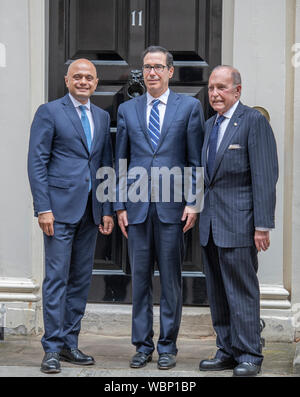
(241, 193)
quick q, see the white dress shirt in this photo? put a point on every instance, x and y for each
(161, 107)
(225, 122)
(87, 109)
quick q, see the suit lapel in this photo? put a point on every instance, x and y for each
(141, 110)
(209, 127)
(73, 116)
(231, 130)
(171, 110)
(96, 120)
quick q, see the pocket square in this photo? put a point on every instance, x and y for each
(235, 146)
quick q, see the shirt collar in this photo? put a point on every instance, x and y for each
(231, 111)
(77, 103)
(163, 98)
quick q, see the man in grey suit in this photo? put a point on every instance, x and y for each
(241, 170)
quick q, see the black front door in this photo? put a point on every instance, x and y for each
(113, 34)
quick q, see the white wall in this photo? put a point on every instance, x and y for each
(15, 202)
(259, 38)
(22, 81)
(296, 173)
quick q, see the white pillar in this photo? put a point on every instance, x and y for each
(22, 80)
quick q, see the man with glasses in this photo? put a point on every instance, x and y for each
(241, 170)
(157, 129)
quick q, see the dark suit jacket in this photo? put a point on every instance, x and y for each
(241, 193)
(60, 165)
(180, 146)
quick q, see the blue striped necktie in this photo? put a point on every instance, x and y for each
(86, 126)
(213, 141)
(154, 124)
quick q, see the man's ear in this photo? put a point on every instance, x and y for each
(66, 80)
(171, 72)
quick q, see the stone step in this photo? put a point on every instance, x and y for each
(115, 320)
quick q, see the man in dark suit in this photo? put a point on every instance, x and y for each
(241, 170)
(158, 129)
(69, 142)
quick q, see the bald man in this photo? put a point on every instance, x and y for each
(69, 142)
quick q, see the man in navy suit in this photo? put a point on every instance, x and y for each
(69, 142)
(158, 129)
(241, 171)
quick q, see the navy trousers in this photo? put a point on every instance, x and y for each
(162, 242)
(234, 298)
(69, 258)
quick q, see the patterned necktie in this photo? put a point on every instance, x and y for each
(86, 126)
(213, 141)
(154, 124)
(87, 130)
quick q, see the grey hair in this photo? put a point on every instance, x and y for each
(236, 76)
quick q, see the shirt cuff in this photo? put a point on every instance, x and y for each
(263, 229)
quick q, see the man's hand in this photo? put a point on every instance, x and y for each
(108, 225)
(190, 216)
(123, 221)
(262, 240)
(46, 221)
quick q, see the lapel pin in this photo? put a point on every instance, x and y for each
(235, 124)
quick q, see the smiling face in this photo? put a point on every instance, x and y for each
(157, 82)
(81, 80)
(222, 91)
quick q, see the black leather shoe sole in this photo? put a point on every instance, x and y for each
(219, 366)
(50, 370)
(141, 362)
(50, 363)
(166, 362)
(89, 362)
(246, 370)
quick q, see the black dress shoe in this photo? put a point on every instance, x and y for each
(246, 369)
(50, 363)
(75, 356)
(140, 360)
(217, 364)
(166, 361)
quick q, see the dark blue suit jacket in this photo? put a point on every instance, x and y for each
(241, 193)
(60, 165)
(180, 146)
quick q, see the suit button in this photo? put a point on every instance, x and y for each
(87, 179)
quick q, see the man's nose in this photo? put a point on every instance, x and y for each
(83, 80)
(214, 92)
(152, 72)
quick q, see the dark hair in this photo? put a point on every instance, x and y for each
(156, 48)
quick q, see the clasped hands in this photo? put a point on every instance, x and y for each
(46, 222)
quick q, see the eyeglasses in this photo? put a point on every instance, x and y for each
(157, 68)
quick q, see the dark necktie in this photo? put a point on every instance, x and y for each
(213, 141)
(154, 124)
